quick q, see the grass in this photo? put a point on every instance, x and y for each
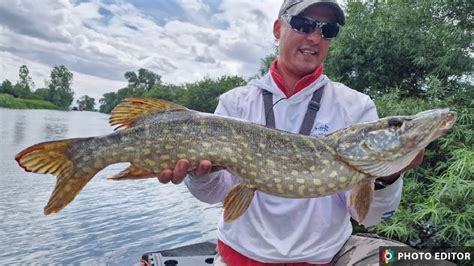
(8, 101)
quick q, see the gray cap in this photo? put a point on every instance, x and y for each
(295, 7)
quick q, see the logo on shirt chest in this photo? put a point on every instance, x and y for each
(320, 129)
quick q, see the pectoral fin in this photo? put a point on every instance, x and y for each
(385, 168)
(132, 172)
(237, 201)
(361, 197)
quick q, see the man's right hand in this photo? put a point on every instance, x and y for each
(181, 169)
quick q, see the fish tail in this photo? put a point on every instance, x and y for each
(55, 158)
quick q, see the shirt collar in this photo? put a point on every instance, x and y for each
(300, 85)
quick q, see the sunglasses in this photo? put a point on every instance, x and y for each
(307, 25)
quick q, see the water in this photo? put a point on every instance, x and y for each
(108, 223)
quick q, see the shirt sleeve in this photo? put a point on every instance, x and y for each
(369, 112)
(213, 187)
(385, 200)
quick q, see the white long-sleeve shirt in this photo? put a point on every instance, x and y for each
(276, 229)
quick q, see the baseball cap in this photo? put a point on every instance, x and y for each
(295, 7)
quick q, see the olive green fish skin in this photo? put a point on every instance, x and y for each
(157, 134)
(271, 161)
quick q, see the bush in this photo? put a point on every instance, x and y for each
(8, 101)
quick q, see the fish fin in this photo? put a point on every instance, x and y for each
(361, 197)
(385, 168)
(237, 201)
(54, 158)
(132, 172)
(130, 110)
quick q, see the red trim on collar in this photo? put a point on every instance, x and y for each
(300, 85)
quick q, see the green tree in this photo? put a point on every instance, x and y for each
(25, 81)
(108, 102)
(6, 87)
(168, 92)
(21, 91)
(60, 92)
(139, 84)
(142, 82)
(86, 103)
(203, 95)
(111, 99)
(42, 93)
(387, 44)
(266, 62)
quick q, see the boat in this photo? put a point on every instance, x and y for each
(199, 254)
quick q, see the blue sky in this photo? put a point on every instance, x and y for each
(99, 40)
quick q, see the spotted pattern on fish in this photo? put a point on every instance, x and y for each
(268, 160)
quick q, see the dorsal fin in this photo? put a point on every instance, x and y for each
(126, 113)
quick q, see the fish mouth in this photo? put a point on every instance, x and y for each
(442, 120)
(445, 124)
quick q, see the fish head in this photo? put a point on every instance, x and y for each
(392, 140)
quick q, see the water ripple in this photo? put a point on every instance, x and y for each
(108, 223)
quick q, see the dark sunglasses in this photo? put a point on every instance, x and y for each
(307, 25)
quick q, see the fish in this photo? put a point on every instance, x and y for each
(153, 134)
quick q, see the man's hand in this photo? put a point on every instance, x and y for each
(416, 162)
(181, 169)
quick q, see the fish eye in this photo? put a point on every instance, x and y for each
(395, 122)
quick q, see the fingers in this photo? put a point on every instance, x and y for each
(204, 168)
(176, 175)
(165, 176)
(181, 169)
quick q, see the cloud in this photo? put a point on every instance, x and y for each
(183, 40)
(193, 5)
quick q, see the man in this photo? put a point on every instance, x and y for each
(294, 231)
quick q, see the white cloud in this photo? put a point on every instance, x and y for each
(100, 41)
(193, 5)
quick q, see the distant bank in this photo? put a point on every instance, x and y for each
(8, 101)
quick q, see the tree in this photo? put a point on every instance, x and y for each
(387, 44)
(203, 95)
(25, 81)
(42, 93)
(60, 92)
(108, 102)
(20, 91)
(138, 86)
(168, 92)
(6, 87)
(86, 103)
(144, 81)
(266, 62)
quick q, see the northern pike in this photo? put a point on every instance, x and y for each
(156, 134)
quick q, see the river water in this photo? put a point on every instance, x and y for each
(109, 222)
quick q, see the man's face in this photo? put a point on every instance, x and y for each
(301, 54)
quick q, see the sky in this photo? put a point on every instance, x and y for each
(99, 40)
